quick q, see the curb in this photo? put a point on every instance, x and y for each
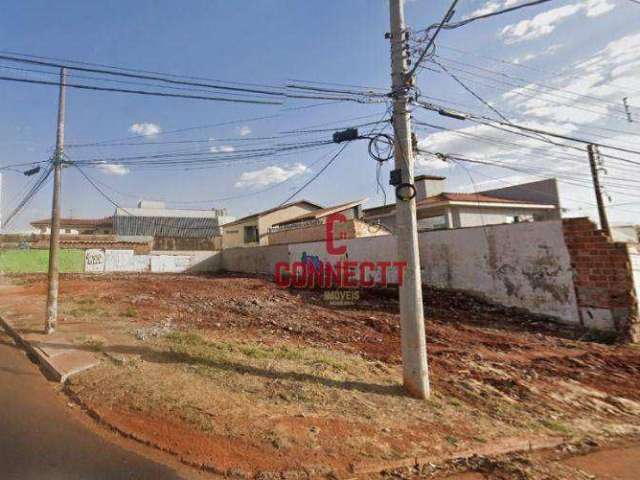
(354, 471)
(56, 372)
(520, 446)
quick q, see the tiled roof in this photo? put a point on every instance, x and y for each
(453, 197)
(80, 222)
(468, 197)
(265, 212)
(324, 212)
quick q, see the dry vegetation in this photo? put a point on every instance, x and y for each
(242, 377)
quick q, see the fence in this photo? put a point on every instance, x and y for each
(564, 269)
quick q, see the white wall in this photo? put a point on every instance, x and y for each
(473, 216)
(521, 265)
(100, 261)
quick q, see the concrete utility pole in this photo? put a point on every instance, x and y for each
(595, 174)
(414, 348)
(54, 241)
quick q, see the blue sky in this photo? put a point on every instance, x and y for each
(272, 41)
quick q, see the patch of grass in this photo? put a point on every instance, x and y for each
(195, 345)
(84, 310)
(131, 312)
(185, 339)
(92, 342)
(556, 426)
(86, 301)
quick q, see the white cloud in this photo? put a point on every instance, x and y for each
(270, 175)
(113, 169)
(590, 92)
(595, 8)
(584, 100)
(223, 149)
(489, 7)
(145, 128)
(531, 56)
(545, 23)
(539, 26)
(493, 6)
(244, 130)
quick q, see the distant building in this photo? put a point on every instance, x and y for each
(172, 229)
(626, 233)
(437, 209)
(76, 226)
(311, 226)
(253, 230)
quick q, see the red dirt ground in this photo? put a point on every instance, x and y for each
(462, 332)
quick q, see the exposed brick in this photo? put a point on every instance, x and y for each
(602, 274)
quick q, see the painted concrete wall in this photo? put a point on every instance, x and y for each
(353, 228)
(200, 261)
(369, 249)
(101, 261)
(37, 261)
(233, 235)
(476, 217)
(254, 260)
(282, 215)
(524, 265)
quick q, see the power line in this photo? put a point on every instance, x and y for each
(480, 118)
(16, 165)
(451, 26)
(30, 195)
(521, 66)
(530, 82)
(177, 142)
(136, 70)
(141, 92)
(153, 223)
(139, 76)
(516, 90)
(127, 82)
(232, 197)
(179, 130)
(474, 94)
(432, 39)
(320, 172)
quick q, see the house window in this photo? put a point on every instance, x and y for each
(432, 223)
(251, 234)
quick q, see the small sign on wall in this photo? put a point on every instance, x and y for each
(120, 261)
(94, 261)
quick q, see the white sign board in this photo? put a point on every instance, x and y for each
(170, 263)
(119, 261)
(94, 261)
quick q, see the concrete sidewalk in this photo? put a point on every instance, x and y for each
(56, 353)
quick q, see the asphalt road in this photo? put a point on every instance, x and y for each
(41, 438)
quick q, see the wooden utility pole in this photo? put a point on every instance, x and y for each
(414, 348)
(595, 174)
(54, 241)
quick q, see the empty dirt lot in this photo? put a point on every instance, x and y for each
(239, 376)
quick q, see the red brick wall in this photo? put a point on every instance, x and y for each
(84, 242)
(603, 279)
